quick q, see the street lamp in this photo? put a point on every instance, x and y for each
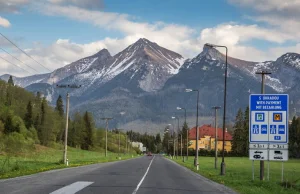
(197, 135)
(187, 134)
(223, 166)
(106, 119)
(173, 140)
(177, 138)
(119, 131)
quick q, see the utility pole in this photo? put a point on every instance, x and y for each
(66, 130)
(67, 119)
(181, 147)
(106, 129)
(216, 135)
(262, 163)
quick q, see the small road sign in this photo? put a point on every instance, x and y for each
(258, 154)
(258, 146)
(278, 155)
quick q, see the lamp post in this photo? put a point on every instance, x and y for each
(197, 134)
(173, 140)
(177, 138)
(216, 134)
(119, 131)
(223, 166)
(187, 134)
(106, 119)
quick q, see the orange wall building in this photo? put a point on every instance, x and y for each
(207, 138)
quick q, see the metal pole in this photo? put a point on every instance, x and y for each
(119, 143)
(173, 142)
(126, 143)
(106, 137)
(268, 170)
(178, 137)
(262, 163)
(66, 130)
(197, 134)
(181, 145)
(216, 135)
(253, 170)
(223, 166)
(187, 138)
(282, 172)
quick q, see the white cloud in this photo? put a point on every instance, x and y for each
(286, 6)
(282, 14)
(94, 4)
(12, 5)
(178, 38)
(4, 22)
(171, 36)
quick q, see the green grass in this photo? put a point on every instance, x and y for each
(239, 175)
(47, 159)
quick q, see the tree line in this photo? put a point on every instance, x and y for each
(27, 119)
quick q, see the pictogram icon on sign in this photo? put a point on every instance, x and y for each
(259, 117)
(277, 117)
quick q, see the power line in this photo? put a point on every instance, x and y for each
(15, 65)
(24, 52)
(19, 60)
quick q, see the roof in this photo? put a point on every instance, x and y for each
(208, 130)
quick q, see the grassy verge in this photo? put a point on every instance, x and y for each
(44, 159)
(239, 175)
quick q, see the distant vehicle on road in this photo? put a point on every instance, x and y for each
(149, 154)
(256, 156)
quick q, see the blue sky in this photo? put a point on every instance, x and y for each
(57, 32)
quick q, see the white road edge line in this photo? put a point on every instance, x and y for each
(138, 186)
(72, 188)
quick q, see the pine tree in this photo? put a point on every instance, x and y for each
(8, 125)
(89, 131)
(10, 81)
(293, 138)
(157, 139)
(29, 116)
(237, 139)
(60, 106)
(246, 132)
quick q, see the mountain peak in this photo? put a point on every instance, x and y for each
(143, 40)
(102, 52)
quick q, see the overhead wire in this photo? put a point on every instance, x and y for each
(19, 60)
(23, 51)
(15, 65)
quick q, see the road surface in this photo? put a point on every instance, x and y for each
(144, 175)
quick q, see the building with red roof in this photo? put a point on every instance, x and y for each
(207, 138)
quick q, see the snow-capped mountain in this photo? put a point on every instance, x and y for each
(148, 82)
(143, 65)
(26, 81)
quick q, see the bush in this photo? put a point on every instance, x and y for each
(15, 143)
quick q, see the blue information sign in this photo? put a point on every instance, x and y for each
(268, 120)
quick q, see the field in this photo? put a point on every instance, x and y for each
(45, 158)
(239, 175)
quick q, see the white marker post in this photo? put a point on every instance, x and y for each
(253, 170)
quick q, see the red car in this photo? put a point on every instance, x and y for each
(149, 154)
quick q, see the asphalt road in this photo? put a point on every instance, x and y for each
(144, 175)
